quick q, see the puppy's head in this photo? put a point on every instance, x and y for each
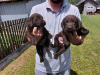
(70, 24)
(36, 20)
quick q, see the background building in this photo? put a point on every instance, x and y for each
(86, 6)
(16, 9)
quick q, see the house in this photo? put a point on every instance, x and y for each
(16, 9)
(86, 6)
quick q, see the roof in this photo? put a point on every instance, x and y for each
(82, 1)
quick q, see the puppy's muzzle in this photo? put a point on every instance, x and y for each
(70, 28)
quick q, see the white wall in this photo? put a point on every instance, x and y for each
(16, 10)
(13, 17)
(30, 4)
(13, 8)
(89, 7)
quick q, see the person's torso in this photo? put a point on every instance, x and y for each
(53, 25)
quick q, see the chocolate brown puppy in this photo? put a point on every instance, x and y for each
(69, 24)
(36, 20)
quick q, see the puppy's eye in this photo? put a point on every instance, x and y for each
(37, 19)
(74, 21)
(66, 21)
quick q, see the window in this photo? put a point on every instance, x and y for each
(89, 7)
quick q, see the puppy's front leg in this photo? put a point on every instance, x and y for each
(49, 36)
(63, 45)
(47, 44)
(59, 52)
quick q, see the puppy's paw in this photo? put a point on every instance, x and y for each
(55, 56)
(41, 60)
(50, 36)
(47, 49)
(52, 45)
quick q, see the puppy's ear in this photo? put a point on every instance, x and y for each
(29, 22)
(79, 24)
(62, 24)
(44, 23)
(81, 29)
(84, 31)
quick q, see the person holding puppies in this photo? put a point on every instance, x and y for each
(53, 12)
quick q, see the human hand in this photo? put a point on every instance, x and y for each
(38, 33)
(75, 39)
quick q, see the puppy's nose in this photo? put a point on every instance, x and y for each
(69, 27)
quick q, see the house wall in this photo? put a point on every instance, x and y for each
(16, 10)
(89, 6)
(11, 11)
(31, 3)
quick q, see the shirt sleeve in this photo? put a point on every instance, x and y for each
(33, 10)
(78, 13)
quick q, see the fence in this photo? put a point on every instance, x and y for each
(12, 36)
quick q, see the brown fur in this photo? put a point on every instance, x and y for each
(69, 24)
(36, 20)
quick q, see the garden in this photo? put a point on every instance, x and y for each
(85, 59)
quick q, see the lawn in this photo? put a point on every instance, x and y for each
(85, 58)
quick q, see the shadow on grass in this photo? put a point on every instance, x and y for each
(73, 72)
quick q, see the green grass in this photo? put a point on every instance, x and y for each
(73, 1)
(85, 58)
(23, 65)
